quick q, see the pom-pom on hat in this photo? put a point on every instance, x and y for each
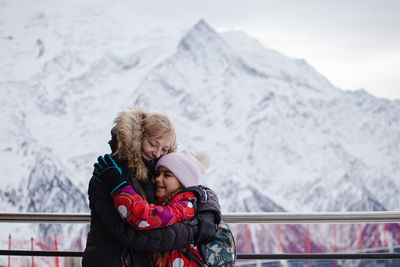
(188, 168)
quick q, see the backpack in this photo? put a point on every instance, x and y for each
(219, 252)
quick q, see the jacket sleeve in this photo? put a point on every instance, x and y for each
(210, 203)
(162, 239)
(208, 215)
(143, 215)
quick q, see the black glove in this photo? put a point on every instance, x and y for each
(108, 172)
(207, 227)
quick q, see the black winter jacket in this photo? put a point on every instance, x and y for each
(111, 239)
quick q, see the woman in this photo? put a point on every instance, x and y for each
(139, 138)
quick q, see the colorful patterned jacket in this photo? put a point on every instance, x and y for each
(144, 216)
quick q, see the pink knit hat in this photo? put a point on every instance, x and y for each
(187, 167)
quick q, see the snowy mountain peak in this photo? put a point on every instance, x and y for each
(200, 31)
(201, 39)
(203, 26)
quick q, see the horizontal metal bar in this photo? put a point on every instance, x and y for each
(318, 256)
(314, 217)
(262, 217)
(41, 253)
(240, 256)
(34, 217)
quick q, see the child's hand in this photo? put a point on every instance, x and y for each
(108, 172)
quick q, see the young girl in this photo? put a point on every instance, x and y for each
(177, 172)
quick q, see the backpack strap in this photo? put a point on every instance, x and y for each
(191, 256)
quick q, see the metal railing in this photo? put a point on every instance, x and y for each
(234, 218)
(239, 218)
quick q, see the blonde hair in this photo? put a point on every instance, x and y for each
(156, 125)
(132, 127)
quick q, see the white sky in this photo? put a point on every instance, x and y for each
(353, 43)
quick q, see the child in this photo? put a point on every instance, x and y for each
(176, 171)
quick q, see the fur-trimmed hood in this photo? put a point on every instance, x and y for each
(126, 140)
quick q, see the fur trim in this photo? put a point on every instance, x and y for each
(129, 130)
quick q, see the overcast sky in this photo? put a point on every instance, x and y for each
(353, 43)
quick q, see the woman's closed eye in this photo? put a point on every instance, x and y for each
(153, 144)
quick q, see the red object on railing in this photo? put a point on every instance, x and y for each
(56, 249)
(247, 239)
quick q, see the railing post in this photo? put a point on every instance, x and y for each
(334, 243)
(361, 239)
(279, 239)
(308, 242)
(384, 236)
(33, 261)
(9, 248)
(279, 243)
(308, 239)
(377, 238)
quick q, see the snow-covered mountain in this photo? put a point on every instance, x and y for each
(280, 135)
